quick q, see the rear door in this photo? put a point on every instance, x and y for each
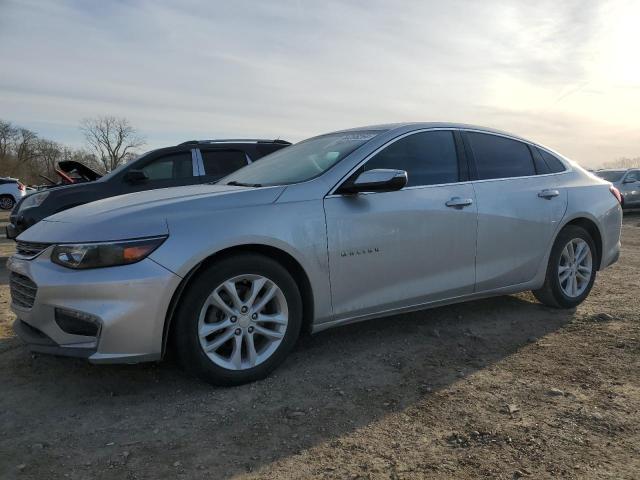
(389, 250)
(216, 163)
(519, 208)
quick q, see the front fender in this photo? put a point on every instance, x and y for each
(296, 228)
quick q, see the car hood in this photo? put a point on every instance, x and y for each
(143, 214)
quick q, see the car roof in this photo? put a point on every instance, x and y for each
(276, 141)
(420, 125)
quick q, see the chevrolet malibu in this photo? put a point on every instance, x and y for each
(339, 228)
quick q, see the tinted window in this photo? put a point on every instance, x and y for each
(611, 175)
(635, 176)
(552, 162)
(500, 157)
(429, 158)
(176, 165)
(222, 162)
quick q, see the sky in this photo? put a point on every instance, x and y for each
(562, 73)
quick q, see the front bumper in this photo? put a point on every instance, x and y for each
(128, 302)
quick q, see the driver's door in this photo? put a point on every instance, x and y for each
(166, 169)
(390, 250)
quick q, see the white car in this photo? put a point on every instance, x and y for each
(11, 190)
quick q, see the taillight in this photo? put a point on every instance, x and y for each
(616, 193)
(20, 187)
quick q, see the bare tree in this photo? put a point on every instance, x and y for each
(112, 138)
(25, 145)
(49, 154)
(7, 137)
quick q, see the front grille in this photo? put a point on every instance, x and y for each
(30, 249)
(23, 290)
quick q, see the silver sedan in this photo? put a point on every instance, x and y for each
(339, 228)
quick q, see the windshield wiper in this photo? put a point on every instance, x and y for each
(240, 184)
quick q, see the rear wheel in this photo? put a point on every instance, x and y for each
(238, 320)
(571, 270)
(7, 202)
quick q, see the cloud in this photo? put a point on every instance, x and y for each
(292, 69)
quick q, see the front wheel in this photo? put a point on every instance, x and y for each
(238, 320)
(571, 270)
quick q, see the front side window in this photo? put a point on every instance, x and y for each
(302, 161)
(218, 163)
(173, 166)
(500, 157)
(429, 158)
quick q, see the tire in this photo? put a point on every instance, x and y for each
(7, 202)
(207, 306)
(554, 291)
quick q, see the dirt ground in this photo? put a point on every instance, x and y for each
(498, 388)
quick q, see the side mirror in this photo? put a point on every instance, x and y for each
(135, 176)
(377, 180)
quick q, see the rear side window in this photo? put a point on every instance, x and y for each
(500, 157)
(429, 158)
(176, 165)
(552, 162)
(219, 163)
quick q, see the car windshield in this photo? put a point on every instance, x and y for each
(302, 161)
(611, 175)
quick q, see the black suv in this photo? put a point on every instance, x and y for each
(189, 163)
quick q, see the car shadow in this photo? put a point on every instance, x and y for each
(333, 383)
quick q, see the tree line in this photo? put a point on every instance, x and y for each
(110, 141)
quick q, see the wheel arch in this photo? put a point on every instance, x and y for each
(284, 258)
(591, 226)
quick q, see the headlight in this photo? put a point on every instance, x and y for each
(34, 200)
(108, 254)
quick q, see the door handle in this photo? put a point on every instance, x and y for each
(457, 202)
(548, 194)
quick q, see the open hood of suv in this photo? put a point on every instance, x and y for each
(76, 171)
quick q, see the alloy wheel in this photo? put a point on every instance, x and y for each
(6, 203)
(243, 321)
(575, 267)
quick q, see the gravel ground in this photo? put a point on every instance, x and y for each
(497, 388)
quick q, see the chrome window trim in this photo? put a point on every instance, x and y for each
(199, 163)
(332, 191)
(195, 161)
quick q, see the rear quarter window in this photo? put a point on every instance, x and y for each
(553, 163)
